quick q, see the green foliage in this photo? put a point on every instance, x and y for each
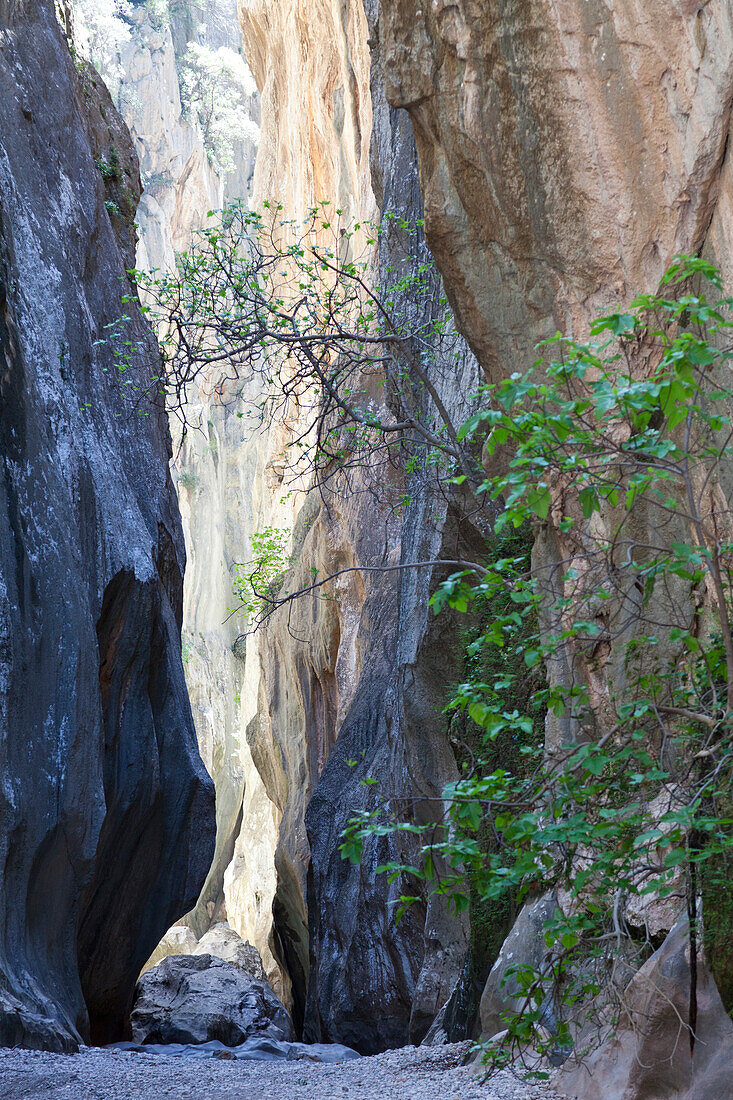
(619, 632)
(214, 87)
(620, 441)
(258, 580)
(189, 479)
(351, 363)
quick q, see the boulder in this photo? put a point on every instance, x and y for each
(178, 940)
(222, 942)
(525, 945)
(649, 1057)
(199, 998)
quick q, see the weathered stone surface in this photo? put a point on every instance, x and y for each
(178, 940)
(358, 678)
(224, 943)
(221, 941)
(524, 946)
(567, 152)
(106, 812)
(253, 1050)
(199, 999)
(649, 1058)
(217, 468)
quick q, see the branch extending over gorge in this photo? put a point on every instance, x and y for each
(617, 444)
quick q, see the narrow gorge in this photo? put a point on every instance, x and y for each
(364, 729)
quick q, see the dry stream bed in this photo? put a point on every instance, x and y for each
(423, 1073)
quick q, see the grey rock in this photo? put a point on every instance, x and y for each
(253, 1050)
(374, 984)
(198, 998)
(106, 811)
(456, 1020)
(178, 940)
(524, 946)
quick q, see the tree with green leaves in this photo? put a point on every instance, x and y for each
(613, 794)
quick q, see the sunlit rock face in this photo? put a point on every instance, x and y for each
(351, 688)
(106, 812)
(180, 177)
(568, 151)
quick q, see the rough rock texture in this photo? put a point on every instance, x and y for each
(215, 465)
(106, 812)
(264, 743)
(567, 152)
(524, 946)
(252, 1050)
(650, 1055)
(221, 941)
(180, 185)
(362, 679)
(178, 940)
(199, 998)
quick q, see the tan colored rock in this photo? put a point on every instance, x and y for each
(222, 942)
(649, 1057)
(341, 675)
(178, 940)
(567, 151)
(310, 59)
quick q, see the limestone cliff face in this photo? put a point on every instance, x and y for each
(568, 151)
(357, 679)
(215, 464)
(269, 712)
(106, 812)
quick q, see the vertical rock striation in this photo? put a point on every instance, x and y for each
(106, 811)
(351, 689)
(568, 151)
(215, 465)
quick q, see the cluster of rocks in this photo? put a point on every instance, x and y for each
(211, 998)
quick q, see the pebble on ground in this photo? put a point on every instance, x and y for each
(412, 1073)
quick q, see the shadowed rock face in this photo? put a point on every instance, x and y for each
(351, 690)
(106, 812)
(201, 999)
(568, 151)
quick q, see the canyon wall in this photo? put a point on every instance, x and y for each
(106, 812)
(568, 151)
(217, 466)
(352, 688)
(270, 708)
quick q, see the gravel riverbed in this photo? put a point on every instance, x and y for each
(413, 1073)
